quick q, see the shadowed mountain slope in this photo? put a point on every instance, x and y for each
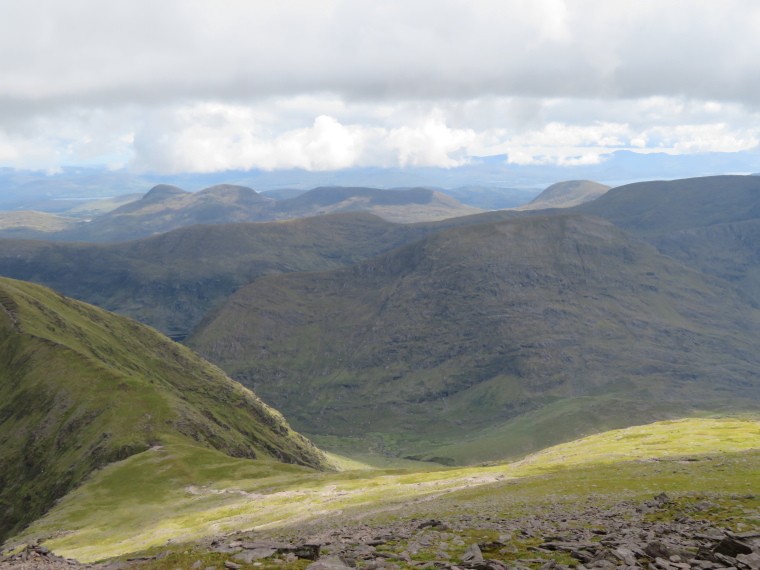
(655, 208)
(170, 281)
(567, 194)
(710, 223)
(81, 387)
(167, 207)
(563, 322)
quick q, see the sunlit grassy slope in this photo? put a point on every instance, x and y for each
(182, 492)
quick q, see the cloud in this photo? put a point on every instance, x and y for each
(213, 137)
(325, 85)
(140, 50)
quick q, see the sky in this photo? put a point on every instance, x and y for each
(206, 86)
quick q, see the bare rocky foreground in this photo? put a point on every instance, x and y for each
(660, 534)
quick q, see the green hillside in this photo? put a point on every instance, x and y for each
(180, 494)
(170, 281)
(81, 388)
(541, 329)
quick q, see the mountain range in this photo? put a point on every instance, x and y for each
(18, 187)
(560, 320)
(172, 280)
(166, 207)
(467, 339)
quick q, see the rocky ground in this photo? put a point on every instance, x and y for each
(659, 534)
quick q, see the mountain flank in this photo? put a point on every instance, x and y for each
(81, 388)
(167, 207)
(519, 325)
(658, 207)
(710, 223)
(566, 194)
(171, 280)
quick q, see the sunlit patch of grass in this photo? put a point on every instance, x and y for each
(182, 493)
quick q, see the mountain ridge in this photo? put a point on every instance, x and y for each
(505, 318)
(169, 281)
(81, 388)
(166, 207)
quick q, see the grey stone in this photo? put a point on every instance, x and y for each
(328, 563)
(626, 555)
(752, 560)
(226, 549)
(658, 549)
(730, 546)
(249, 556)
(472, 554)
(662, 499)
(307, 550)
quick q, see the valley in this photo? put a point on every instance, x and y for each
(514, 378)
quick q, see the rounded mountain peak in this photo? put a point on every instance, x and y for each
(232, 190)
(163, 191)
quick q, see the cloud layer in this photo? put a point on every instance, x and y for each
(203, 86)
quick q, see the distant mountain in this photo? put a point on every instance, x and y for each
(567, 194)
(167, 207)
(31, 190)
(490, 198)
(171, 280)
(619, 167)
(405, 206)
(561, 323)
(81, 387)
(282, 193)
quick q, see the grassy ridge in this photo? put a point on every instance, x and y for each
(80, 388)
(210, 493)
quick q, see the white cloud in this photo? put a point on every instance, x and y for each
(213, 137)
(430, 144)
(323, 85)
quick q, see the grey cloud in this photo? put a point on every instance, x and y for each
(170, 50)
